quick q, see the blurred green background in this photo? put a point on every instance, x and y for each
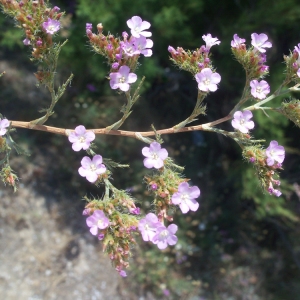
(242, 243)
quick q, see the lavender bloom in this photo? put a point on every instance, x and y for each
(115, 65)
(155, 156)
(207, 80)
(259, 42)
(172, 50)
(80, 138)
(142, 44)
(129, 48)
(3, 124)
(165, 236)
(88, 26)
(260, 89)
(242, 121)
(51, 26)
(96, 221)
(147, 226)
(123, 273)
(91, 168)
(135, 210)
(237, 41)
(26, 42)
(210, 41)
(185, 197)
(122, 79)
(137, 26)
(56, 9)
(275, 153)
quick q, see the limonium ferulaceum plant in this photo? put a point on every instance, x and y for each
(114, 218)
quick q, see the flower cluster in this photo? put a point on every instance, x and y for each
(90, 168)
(253, 60)
(123, 54)
(267, 162)
(113, 228)
(154, 231)
(197, 61)
(39, 22)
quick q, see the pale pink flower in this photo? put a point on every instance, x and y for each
(207, 80)
(210, 41)
(92, 168)
(165, 236)
(147, 226)
(259, 42)
(275, 153)
(80, 138)
(96, 221)
(51, 26)
(122, 79)
(155, 156)
(242, 121)
(3, 125)
(260, 89)
(137, 26)
(185, 197)
(237, 41)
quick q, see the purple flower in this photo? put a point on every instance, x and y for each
(147, 226)
(237, 41)
(275, 153)
(123, 273)
(242, 121)
(137, 26)
(207, 80)
(56, 9)
(100, 236)
(165, 236)
(259, 42)
(298, 73)
(3, 124)
(51, 26)
(96, 221)
(135, 210)
(122, 79)
(185, 197)
(260, 89)
(26, 42)
(115, 65)
(210, 41)
(155, 156)
(88, 26)
(172, 50)
(91, 168)
(80, 138)
(129, 48)
(142, 45)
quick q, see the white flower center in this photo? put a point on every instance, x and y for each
(242, 121)
(82, 139)
(164, 233)
(184, 197)
(100, 223)
(93, 167)
(154, 155)
(207, 81)
(122, 79)
(258, 90)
